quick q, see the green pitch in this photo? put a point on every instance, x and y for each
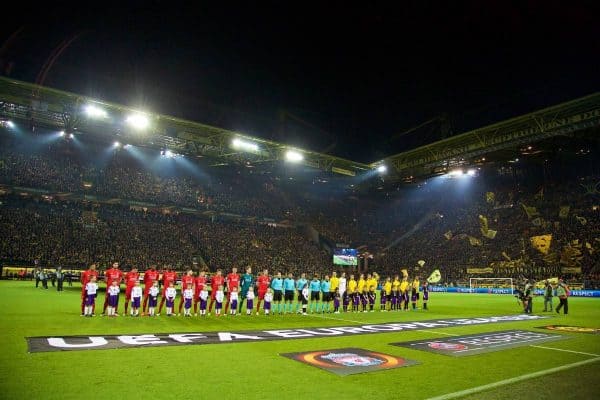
(256, 370)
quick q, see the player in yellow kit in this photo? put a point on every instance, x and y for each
(386, 295)
(334, 282)
(371, 288)
(352, 286)
(395, 292)
(403, 294)
(414, 297)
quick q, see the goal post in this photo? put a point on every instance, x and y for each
(491, 283)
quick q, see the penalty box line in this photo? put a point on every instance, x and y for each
(516, 379)
(566, 351)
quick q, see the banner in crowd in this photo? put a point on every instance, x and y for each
(474, 241)
(564, 211)
(530, 211)
(490, 197)
(448, 235)
(541, 243)
(571, 255)
(570, 270)
(485, 231)
(477, 271)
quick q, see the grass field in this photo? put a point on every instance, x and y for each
(256, 370)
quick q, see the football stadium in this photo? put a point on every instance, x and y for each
(148, 253)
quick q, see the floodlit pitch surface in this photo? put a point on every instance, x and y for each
(257, 370)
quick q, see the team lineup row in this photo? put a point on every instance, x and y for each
(330, 294)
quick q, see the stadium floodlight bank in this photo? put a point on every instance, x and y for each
(491, 283)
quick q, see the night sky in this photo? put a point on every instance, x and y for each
(337, 78)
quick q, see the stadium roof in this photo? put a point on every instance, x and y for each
(58, 109)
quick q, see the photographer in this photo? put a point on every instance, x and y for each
(548, 289)
(528, 297)
(562, 291)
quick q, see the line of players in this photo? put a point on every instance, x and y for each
(330, 294)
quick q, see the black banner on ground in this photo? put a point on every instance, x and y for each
(571, 329)
(103, 342)
(349, 361)
(469, 345)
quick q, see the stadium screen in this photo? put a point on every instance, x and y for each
(345, 257)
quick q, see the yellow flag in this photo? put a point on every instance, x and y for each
(490, 234)
(474, 241)
(490, 197)
(448, 235)
(530, 211)
(541, 243)
(435, 276)
(404, 273)
(483, 223)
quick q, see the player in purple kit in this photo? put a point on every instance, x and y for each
(425, 294)
(345, 301)
(355, 301)
(364, 300)
(336, 301)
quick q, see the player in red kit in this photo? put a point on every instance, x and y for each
(186, 281)
(232, 281)
(169, 276)
(199, 283)
(86, 276)
(150, 276)
(263, 282)
(111, 275)
(131, 278)
(216, 281)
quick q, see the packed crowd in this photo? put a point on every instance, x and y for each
(438, 225)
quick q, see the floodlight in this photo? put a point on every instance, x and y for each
(471, 172)
(10, 124)
(382, 169)
(293, 156)
(116, 144)
(168, 153)
(61, 133)
(95, 111)
(456, 172)
(71, 136)
(244, 145)
(138, 121)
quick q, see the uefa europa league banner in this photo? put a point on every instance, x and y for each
(103, 342)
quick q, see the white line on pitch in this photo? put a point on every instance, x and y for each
(337, 319)
(567, 351)
(441, 333)
(516, 379)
